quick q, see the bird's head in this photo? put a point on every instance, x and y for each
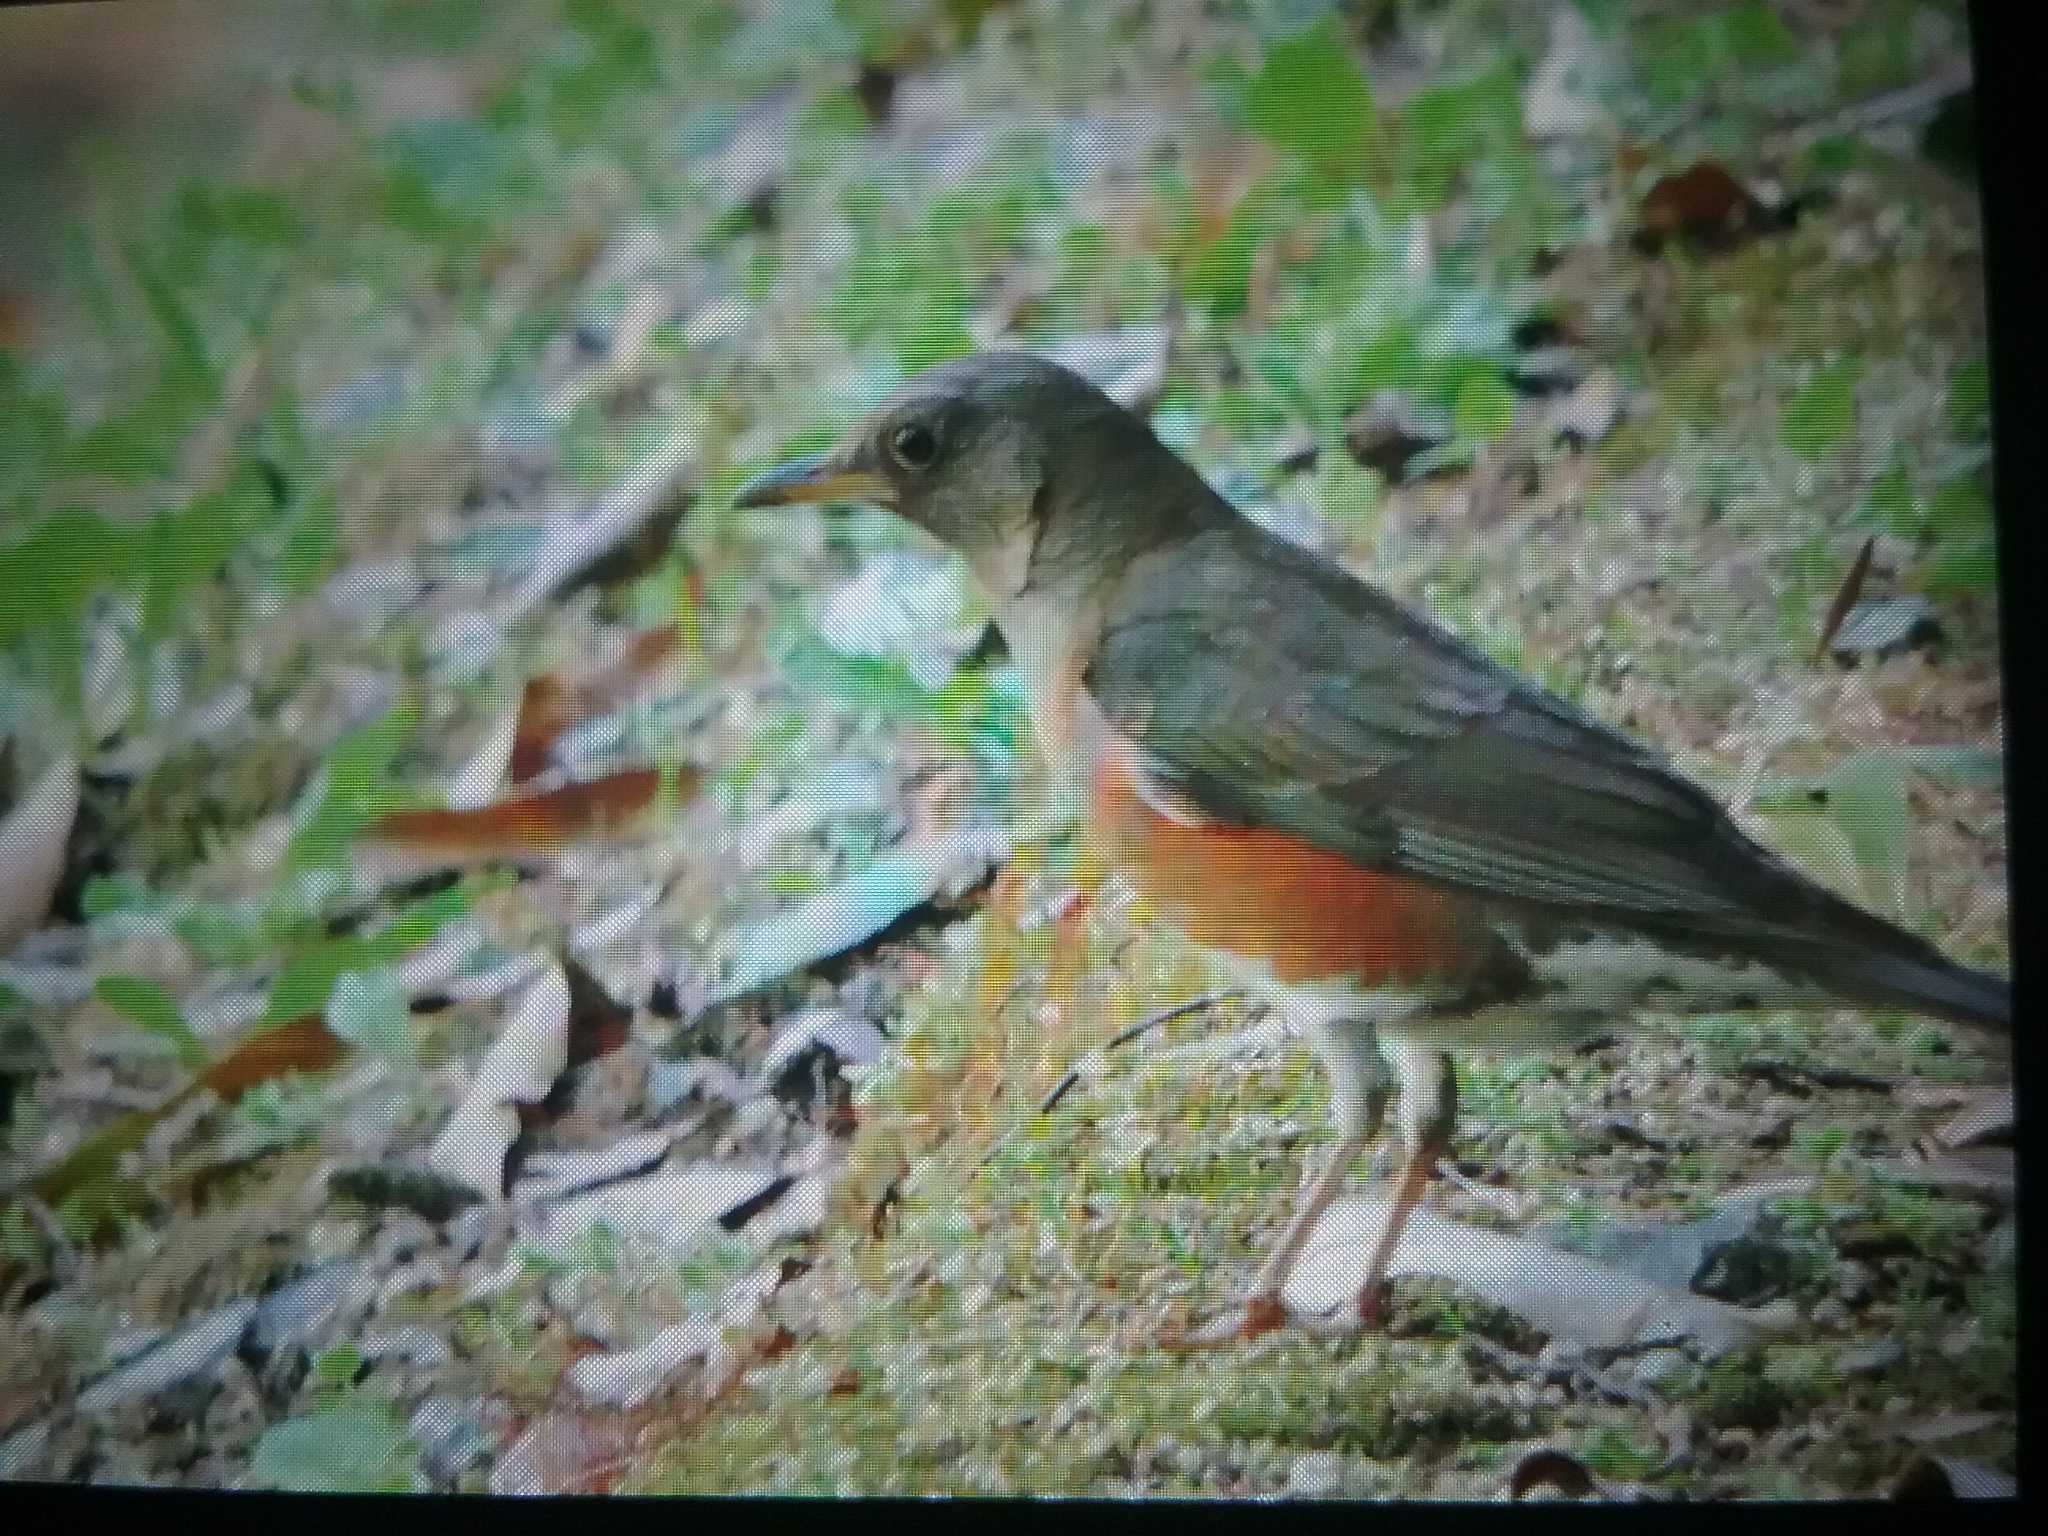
(1012, 460)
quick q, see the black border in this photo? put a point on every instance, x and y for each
(2010, 107)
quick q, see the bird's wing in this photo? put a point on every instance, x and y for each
(1271, 689)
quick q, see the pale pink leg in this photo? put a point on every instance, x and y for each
(1433, 1121)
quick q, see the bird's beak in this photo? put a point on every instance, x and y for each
(827, 477)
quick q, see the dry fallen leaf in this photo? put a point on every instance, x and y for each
(1988, 1171)
(850, 913)
(1569, 1297)
(1949, 1477)
(629, 1377)
(672, 1208)
(579, 539)
(552, 703)
(1845, 598)
(1984, 1115)
(478, 782)
(524, 826)
(519, 1069)
(33, 838)
(1703, 204)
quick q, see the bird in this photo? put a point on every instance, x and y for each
(1407, 848)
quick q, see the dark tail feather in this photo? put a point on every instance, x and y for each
(1926, 983)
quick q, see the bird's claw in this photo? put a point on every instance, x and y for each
(1261, 1314)
(1373, 1300)
(1251, 1318)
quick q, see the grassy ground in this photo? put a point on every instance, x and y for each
(282, 422)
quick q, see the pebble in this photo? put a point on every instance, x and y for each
(401, 1235)
(451, 1436)
(425, 1275)
(195, 1348)
(1873, 1361)
(1830, 1313)
(299, 1308)
(1315, 1475)
(411, 1343)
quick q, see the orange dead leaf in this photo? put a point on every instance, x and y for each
(304, 1044)
(532, 824)
(598, 1023)
(1703, 203)
(544, 713)
(552, 704)
(17, 319)
(1845, 599)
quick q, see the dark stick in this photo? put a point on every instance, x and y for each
(1124, 1037)
(1150, 1021)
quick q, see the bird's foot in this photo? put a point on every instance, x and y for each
(1261, 1314)
(1250, 1318)
(1374, 1297)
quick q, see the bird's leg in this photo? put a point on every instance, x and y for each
(1429, 1113)
(1360, 1088)
(1263, 1305)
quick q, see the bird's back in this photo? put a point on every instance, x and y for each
(1271, 690)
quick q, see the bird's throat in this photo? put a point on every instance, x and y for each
(1051, 635)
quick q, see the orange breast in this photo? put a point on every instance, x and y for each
(1310, 914)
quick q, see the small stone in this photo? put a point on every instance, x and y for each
(1855, 1283)
(1657, 1365)
(1872, 1361)
(425, 1275)
(451, 1437)
(1314, 1476)
(1885, 626)
(1747, 1272)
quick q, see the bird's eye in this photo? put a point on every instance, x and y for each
(913, 446)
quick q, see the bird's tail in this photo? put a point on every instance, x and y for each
(1891, 968)
(1940, 987)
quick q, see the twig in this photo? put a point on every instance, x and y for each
(1862, 116)
(1149, 1022)
(1792, 1077)
(1074, 1073)
(63, 1252)
(1845, 599)
(1576, 1372)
